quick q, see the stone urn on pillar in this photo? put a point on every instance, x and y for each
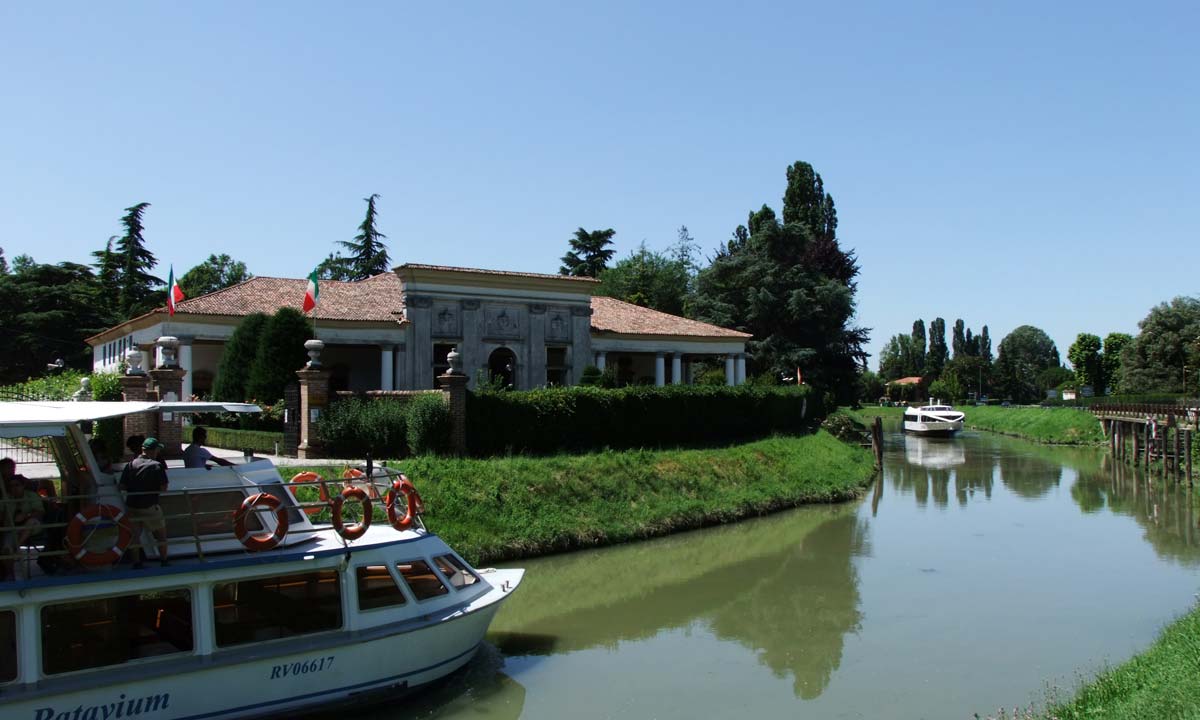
(314, 348)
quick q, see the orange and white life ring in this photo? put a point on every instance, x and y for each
(76, 541)
(413, 505)
(322, 491)
(262, 541)
(353, 474)
(357, 530)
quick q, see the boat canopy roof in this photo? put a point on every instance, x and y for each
(39, 418)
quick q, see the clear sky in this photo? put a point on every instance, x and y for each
(1007, 163)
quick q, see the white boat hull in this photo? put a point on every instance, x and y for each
(932, 428)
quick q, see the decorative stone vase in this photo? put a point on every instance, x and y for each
(169, 344)
(133, 362)
(454, 358)
(314, 348)
(85, 390)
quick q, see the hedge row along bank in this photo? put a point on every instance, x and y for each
(260, 441)
(385, 427)
(583, 419)
(1060, 426)
(505, 508)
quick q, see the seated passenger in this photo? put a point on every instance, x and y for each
(26, 509)
(196, 455)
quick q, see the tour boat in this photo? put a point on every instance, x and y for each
(260, 612)
(933, 419)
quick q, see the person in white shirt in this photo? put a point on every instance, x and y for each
(196, 455)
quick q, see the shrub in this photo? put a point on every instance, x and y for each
(355, 427)
(279, 355)
(257, 440)
(230, 383)
(428, 425)
(591, 375)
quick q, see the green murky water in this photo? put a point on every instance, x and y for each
(978, 572)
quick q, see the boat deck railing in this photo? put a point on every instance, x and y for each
(63, 510)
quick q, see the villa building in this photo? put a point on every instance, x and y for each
(394, 330)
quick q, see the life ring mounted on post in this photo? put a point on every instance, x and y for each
(413, 504)
(261, 541)
(356, 530)
(76, 541)
(322, 491)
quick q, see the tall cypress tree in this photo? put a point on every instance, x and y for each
(935, 359)
(3, 263)
(137, 288)
(958, 341)
(985, 344)
(108, 275)
(368, 255)
(918, 342)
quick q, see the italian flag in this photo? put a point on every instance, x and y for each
(174, 293)
(311, 293)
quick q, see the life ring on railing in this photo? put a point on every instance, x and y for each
(357, 530)
(356, 474)
(413, 505)
(308, 477)
(262, 541)
(75, 539)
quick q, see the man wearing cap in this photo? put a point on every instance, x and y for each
(142, 480)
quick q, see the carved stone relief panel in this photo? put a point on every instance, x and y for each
(447, 321)
(558, 324)
(502, 321)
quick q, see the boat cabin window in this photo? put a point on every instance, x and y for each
(213, 513)
(421, 579)
(8, 646)
(277, 607)
(456, 571)
(99, 632)
(377, 589)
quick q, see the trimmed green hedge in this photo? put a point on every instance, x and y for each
(385, 427)
(580, 419)
(260, 441)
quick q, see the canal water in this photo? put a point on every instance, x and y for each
(978, 572)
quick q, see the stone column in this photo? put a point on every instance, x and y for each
(600, 359)
(676, 369)
(134, 388)
(660, 370)
(418, 309)
(454, 384)
(581, 342)
(168, 380)
(185, 364)
(730, 372)
(535, 365)
(386, 369)
(740, 369)
(399, 368)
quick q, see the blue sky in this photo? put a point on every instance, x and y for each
(1007, 163)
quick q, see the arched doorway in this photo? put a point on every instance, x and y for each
(502, 364)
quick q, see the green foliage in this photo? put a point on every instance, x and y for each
(1054, 378)
(918, 346)
(260, 441)
(589, 253)
(3, 263)
(1084, 356)
(368, 255)
(1169, 341)
(649, 279)
(591, 376)
(138, 291)
(900, 358)
(279, 355)
(793, 288)
(1114, 345)
(336, 267)
(356, 427)
(108, 286)
(844, 427)
(215, 273)
(586, 418)
(1062, 426)
(966, 375)
(238, 358)
(1025, 354)
(938, 355)
(946, 388)
(871, 386)
(428, 425)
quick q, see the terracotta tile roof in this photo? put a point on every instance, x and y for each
(610, 315)
(375, 299)
(419, 266)
(913, 380)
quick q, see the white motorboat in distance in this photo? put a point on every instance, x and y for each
(933, 420)
(260, 612)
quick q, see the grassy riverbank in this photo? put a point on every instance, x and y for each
(1056, 426)
(503, 508)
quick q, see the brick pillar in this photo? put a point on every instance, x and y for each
(134, 389)
(169, 383)
(314, 398)
(455, 387)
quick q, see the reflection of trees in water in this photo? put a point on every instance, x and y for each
(797, 609)
(971, 471)
(1028, 474)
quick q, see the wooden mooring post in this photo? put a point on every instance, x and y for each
(877, 440)
(1187, 448)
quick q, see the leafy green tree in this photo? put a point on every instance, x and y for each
(871, 386)
(918, 339)
(935, 359)
(46, 312)
(793, 288)
(1084, 356)
(805, 201)
(108, 279)
(138, 291)
(336, 267)
(279, 355)
(959, 340)
(969, 373)
(1168, 342)
(898, 359)
(238, 358)
(1024, 354)
(23, 263)
(1114, 344)
(985, 345)
(368, 255)
(649, 279)
(1054, 378)
(589, 253)
(215, 273)
(3, 263)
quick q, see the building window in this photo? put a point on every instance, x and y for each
(556, 366)
(440, 364)
(8, 646)
(377, 588)
(277, 607)
(421, 579)
(109, 631)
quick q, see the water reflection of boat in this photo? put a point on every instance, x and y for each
(932, 452)
(933, 419)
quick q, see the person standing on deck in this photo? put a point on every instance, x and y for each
(142, 480)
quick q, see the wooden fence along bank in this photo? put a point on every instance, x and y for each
(1142, 434)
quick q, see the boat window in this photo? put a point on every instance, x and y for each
(421, 579)
(377, 588)
(213, 513)
(456, 571)
(277, 607)
(8, 646)
(109, 631)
